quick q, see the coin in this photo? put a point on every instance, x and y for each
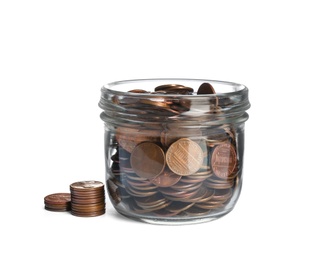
(184, 157)
(223, 160)
(138, 193)
(166, 179)
(86, 185)
(88, 214)
(206, 88)
(175, 89)
(58, 198)
(151, 201)
(58, 202)
(148, 160)
(128, 137)
(197, 212)
(174, 133)
(178, 207)
(138, 91)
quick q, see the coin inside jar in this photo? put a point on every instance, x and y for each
(206, 88)
(148, 160)
(184, 157)
(175, 89)
(224, 160)
(166, 179)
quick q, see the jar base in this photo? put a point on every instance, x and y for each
(177, 221)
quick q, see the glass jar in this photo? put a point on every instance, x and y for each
(174, 148)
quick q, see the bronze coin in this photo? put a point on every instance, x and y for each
(184, 157)
(158, 102)
(140, 183)
(209, 206)
(175, 89)
(128, 137)
(57, 209)
(150, 201)
(196, 212)
(138, 91)
(206, 88)
(171, 135)
(58, 198)
(58, 202)
(183, 186)
(223, 195)
(148, 160)
(88, 201)
(178, 206)
(223, 160)
(86, 185)
(137, 193)
(138, 210)
(166, 179)
(148, 187)
(88, 214)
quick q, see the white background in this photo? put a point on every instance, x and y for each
(54, 58)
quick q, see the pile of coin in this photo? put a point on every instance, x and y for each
(170, 169)
(58, 202)
(87, 198)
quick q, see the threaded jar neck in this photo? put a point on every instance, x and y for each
(227, 105)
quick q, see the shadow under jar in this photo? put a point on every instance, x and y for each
(174, 148)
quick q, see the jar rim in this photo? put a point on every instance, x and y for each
(235, 87)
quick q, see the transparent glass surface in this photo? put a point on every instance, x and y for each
(174, 157)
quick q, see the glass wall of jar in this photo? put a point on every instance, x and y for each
(174, 148)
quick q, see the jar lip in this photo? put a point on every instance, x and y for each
(235, 87)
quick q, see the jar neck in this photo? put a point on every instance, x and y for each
(186, 110)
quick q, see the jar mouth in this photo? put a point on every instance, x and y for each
(145, 104)
(221, 87)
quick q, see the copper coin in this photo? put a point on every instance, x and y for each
(137, 193)
(86, 185)
(128, 137)
(224, 160)
(175, 89)
(148, 210)
(166, 179)
(151, 201)
(206, 88)
(209, 206)
(88, 214)
(140, 183)
(88, 207)
(141, 188)
(57, 209)
(184, 157)
(196, 212)
(88, 201)
(58, 202)
(138, 91)
(58, 198)
(148, 160)
(223, 195)
(169, 136)
(178, 207)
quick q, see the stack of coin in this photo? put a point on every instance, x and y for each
(87, 198)
(169, 169)
(58, 202)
